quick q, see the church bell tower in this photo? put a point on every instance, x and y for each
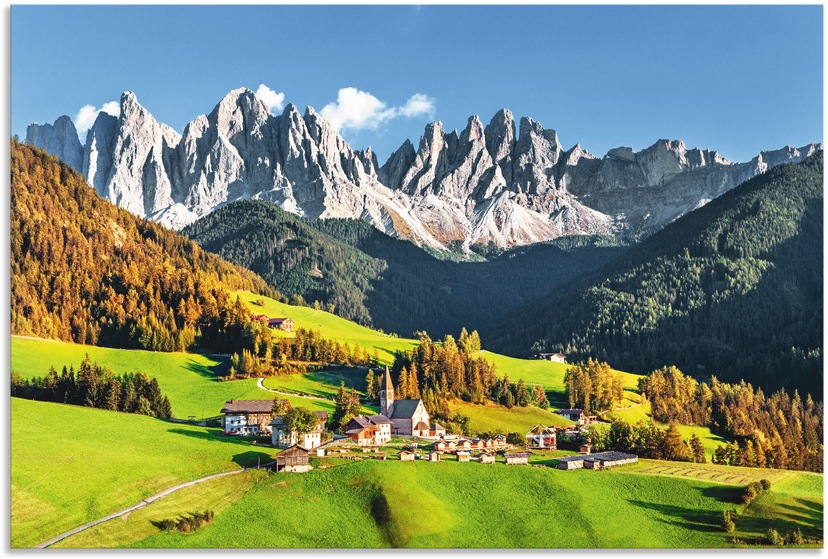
(387, 395)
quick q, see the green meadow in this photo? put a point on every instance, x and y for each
(500, 419)
(216, 495)
(190, 380)
(323, 384)
(421, 505)
(70, 464)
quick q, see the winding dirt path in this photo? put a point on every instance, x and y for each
(141, 505)
(295, 395)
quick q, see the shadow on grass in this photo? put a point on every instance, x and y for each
(724, 493)
(211, 373)
(252, 458)
(686, 518)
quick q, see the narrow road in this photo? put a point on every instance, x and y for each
(141, 505)
(263, 387)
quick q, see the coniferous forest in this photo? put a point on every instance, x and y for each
(732, 290)
(363, 275)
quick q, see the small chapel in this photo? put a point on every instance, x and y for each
(409, 417)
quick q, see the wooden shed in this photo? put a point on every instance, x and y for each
(463, 456)
(434, 456)
(293, 459)
(517, 458)
(486, 458)
(407, 456)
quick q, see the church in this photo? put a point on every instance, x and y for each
(409, 417)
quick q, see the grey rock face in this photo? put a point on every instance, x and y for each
(60, 139)
(489, 184)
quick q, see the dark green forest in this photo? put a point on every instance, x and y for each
(733, 289)
(387, 283)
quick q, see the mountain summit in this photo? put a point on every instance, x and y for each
(499, 183)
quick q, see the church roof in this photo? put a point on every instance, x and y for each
(386, 382)
(404, 409)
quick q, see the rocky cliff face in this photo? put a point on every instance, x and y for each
(489, 184)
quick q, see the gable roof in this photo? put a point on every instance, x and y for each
(437, 427)
(249, 406)
(379, 419)
(294, 450)
(421, 426)
(404, 409)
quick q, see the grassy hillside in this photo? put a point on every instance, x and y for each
(190, 380)
(331, 326)
(216, 495)
(500, 419)
(733, 289)
(375, 504)
(70, 465)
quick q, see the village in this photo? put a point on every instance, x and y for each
(402, 430)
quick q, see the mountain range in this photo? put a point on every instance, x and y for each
(503, 184)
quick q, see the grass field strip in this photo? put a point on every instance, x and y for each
(142, 504)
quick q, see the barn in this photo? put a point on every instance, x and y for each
(293, 459)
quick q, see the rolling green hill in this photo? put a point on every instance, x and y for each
(421, 504)
(70, 464)
(733, 289)
(387, 283)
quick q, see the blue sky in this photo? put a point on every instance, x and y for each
(738, 79)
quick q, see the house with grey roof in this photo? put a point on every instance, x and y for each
(408, 417)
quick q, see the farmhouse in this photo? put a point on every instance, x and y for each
(281, 438)
(517, 458)
(408, 417)
(293, 459)
(554, 357)
(596, 461)
(373, 430)
(578, 416)
(247, 417)
(285, 324)
(541, 436)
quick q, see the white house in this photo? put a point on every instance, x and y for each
(281, 438)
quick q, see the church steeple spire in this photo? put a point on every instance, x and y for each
(387, 395)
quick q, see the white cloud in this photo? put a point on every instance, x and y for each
(359, 110)
(418, 105)
(274, 101)
(88, 113)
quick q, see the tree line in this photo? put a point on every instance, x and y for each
(776, 431)
(95, 386)
(261, 355)
(592, 386)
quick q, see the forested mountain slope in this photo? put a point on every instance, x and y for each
(733, 289)
(384, 282)
(86, 271)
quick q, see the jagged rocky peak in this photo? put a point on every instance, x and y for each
(59, 139)
(500, 140)
(506, 182)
